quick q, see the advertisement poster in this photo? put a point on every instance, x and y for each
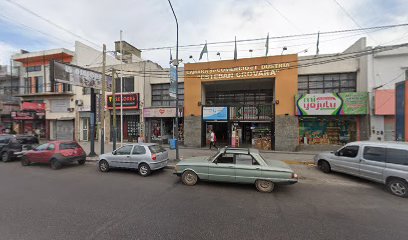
(215, 113)
(350, 103)
(129, 101)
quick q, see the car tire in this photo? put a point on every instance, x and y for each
(81, 162)
(189, 178)
(144, 170)
(5, 157)
(103, 166)
(264, 186)
(398, 187)
(324, 166)
(55, 164)
(25, 161)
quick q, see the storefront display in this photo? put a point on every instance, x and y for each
(160, 123)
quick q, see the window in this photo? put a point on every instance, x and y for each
(86, 91)
(42, 147)
(327, 83)
(374, 153)
(125, 150)
(65, 146)
(349, 151)
(161, 97)
(33, 69)
(156, 149)
(245, 159)
(397, 156)
(51, 147)
(226, 158)
(139, 150)
(128, 84)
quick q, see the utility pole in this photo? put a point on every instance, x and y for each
(115, 130)
(176, 62)
(93, 111)
(103, 100)
(121, 90)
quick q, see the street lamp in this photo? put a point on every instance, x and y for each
(176, 63)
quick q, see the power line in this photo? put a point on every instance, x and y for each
(282, 15)
(50, 22)
(280, 37)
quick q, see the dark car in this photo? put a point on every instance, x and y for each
(56, 153)
(27, 139)
(9, 146)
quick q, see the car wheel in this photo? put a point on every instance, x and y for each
(103, 166)
(5, 157)
(264, 186)
(144, 169)
(324, 166)
(81, 162)
(25, 161)
(189, 178)
(398, 187)
(55, 164)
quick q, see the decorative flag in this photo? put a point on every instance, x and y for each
(203, 51)
(317, 44)
(267, 45)
(235, 50)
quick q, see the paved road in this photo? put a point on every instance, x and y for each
(79, 202)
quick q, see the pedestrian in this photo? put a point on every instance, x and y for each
(213, 139)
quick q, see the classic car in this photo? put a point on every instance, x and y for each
(236, 165)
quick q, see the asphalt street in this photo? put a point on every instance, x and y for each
(79, 202)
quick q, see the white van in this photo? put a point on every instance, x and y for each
(383, 162)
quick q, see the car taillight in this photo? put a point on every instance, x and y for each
(154, 157)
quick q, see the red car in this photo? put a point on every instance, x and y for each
(56, 153)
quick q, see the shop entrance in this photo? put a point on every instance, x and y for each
(221, 132)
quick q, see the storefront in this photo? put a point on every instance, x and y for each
(330, 118)
(131, 115)
(31, 119)
(160, 124)
(257, 95)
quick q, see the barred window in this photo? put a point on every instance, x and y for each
(327, 83)
(161, 97)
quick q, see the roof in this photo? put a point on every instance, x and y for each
(142, 144)
(239, 150)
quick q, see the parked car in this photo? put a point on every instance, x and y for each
(12, 145)
(56, 153)
(237, 165)
(144, 157)
(383, 162)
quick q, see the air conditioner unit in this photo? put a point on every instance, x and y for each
(70, 109)
(79, 102)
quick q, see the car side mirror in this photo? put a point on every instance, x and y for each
(336, 153)
(114, 152)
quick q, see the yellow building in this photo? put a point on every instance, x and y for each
(246, 102)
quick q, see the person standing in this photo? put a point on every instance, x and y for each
(212, 139)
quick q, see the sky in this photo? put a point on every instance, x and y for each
(47, 24)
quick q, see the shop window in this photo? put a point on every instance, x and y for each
(374, 153)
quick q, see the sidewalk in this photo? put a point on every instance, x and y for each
(303, 158)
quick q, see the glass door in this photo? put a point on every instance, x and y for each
(85, 129)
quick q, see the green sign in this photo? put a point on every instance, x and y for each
(350, 103)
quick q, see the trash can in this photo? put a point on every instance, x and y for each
(173, 143)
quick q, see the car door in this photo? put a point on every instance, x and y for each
(122, 156)
(46, 154)
(247, 169)
(35, 154)
(138, 155)
(347, 160)
(222, 168)
(372, 162)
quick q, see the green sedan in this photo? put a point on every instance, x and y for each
(237, 165)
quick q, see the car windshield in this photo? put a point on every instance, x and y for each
(210, 158)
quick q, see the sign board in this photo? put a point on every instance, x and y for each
(173, 82)
(350, 103)
(161, 112)
(59, 105)
(31, 106)
(129, 101)
(78, 76)
(215, 113)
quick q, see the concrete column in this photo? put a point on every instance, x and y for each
(286, 133)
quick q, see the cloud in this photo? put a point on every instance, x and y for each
(150, 23)
(6, 51)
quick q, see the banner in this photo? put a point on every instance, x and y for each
(215, 113)
(350, 103)
(129, 101)
(77, 76)
(173, 82)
